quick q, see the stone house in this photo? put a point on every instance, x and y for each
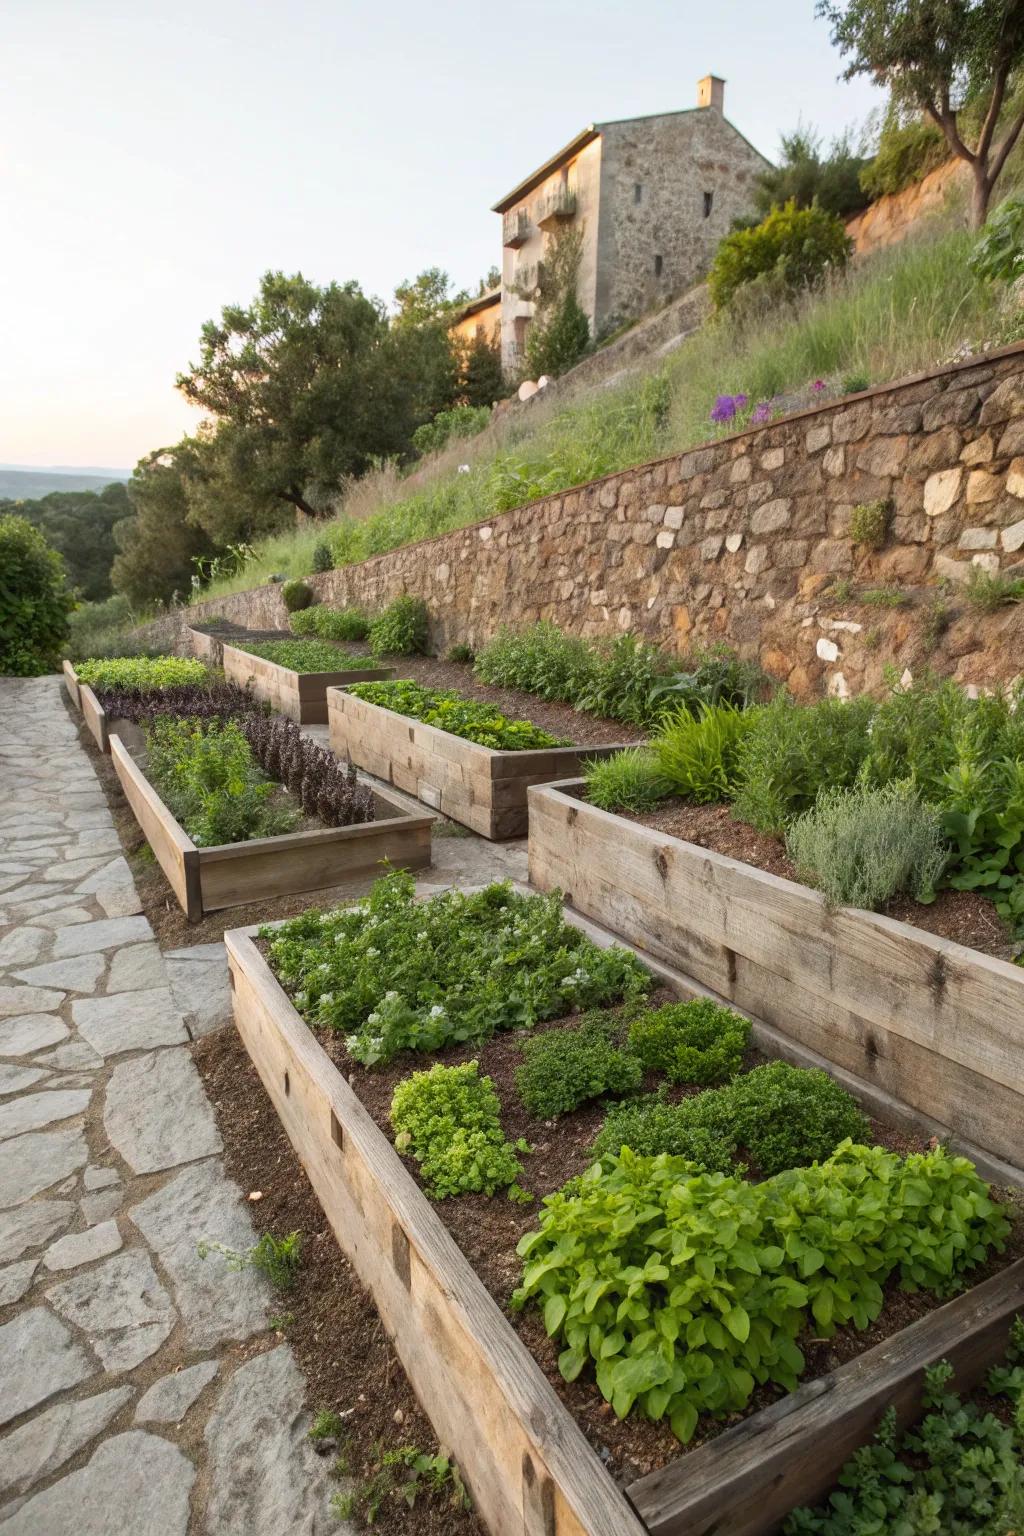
(652, 197)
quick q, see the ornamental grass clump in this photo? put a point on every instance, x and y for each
(685, 1290)
(861, 846)
(140, 674)
(449, 1120)
(449, 711)
(699, 754)
(398, 974)
(695, 1042)
(627, 781)
(205, 772)
(564, 1067)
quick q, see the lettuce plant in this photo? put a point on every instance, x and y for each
(449, 1120)
(468, 718)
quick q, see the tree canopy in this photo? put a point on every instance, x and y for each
(80, 527)
(157, 545)
(808, 173)
(939, 57)
(35, 600)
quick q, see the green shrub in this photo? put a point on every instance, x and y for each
(624, 680)
(794, 750)
(695, 1042)
(999, 253)
(205, 772)
(303, 656)
(464, 655)
(884, 597)
(906, 153)
(323, 557)
(400, 629)
(957, 1471)
(449, 1120)
(296, 595)
(717, 676)
(627, 781)
(564, 1067)
(460, 421)
(780, 1116)
(34, 601)
(685, 1290)
(398, 974)
(854, 384)
(331, 623)
(787, 1116)
(793, 247)
(699, 755)
(541, 659)
(140, 674)
(696, 1129)
(869, 523)
(468, 718)
(860, 846)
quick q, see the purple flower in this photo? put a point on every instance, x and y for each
(762, 411)
(818, 386)
(726, 406)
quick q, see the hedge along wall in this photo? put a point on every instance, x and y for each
(740, 540)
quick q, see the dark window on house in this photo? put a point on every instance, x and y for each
(638, 191)
(657, 266)
(709, 198)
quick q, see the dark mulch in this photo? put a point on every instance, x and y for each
(488, 1229)
(333, 1325)
(963, 916)
(435, 672)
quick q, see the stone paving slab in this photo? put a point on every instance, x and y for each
(109, 1179)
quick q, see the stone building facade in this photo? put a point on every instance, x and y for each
(747, 541)
(652, 198)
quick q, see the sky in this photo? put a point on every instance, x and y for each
(157, 158)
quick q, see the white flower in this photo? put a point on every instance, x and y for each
(463, 469)
(437, 1012)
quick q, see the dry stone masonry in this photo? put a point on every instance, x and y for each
(741, 541)
(141, 1391)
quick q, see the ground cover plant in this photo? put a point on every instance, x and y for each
(207, 775)
(395, 974)
(140, 674)
(303, 656)
(683, 1290)
(449, 1120)
(192, 701)
(694, 1042)
(449, 711)
(331, 623)
(775, 1117)
(564, 1067)
(958, 1471)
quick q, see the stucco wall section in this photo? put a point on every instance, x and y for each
(743, 540)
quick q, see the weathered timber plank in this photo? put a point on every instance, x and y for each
(71, 684)
(174, 851)
(529, 1468)
(94, 716)
(749, 1479)
(279, 866)
(300, 695)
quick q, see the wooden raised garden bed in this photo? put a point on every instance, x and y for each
(932, 1023)
(88, 706)
(231, 874)
(529, 1467)
(300, 695)
(478, 786)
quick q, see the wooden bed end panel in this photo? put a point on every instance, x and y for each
(528, 1466)
(94, 716)
(175, 852)
(71, 684)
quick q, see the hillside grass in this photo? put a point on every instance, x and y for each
(901, 311)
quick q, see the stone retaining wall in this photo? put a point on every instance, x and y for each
(744, 540)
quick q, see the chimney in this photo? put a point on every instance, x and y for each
(711, 93)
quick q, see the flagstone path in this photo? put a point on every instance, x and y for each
(142, 1392)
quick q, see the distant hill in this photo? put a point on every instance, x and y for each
(29, 484)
